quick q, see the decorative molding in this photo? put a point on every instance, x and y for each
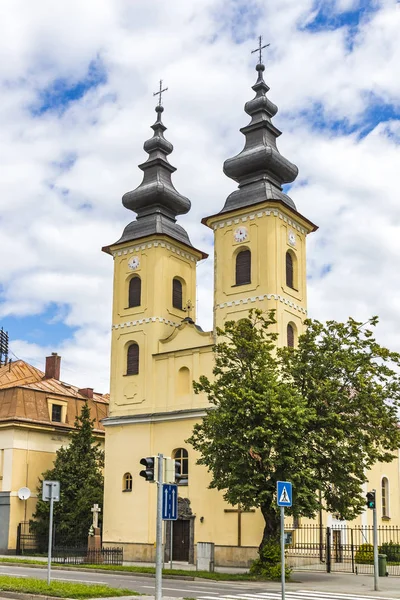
(241, 301)
(155, 244)
(178, 415)
(261, 213)
(145, 320)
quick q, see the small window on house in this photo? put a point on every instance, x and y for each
(289, 270)
(177, 295)
(127, 483)
(243, 267)
(181, 456)
(56, 412)
(135, 290)
(132, 367)
(385, 497)
(290, 336)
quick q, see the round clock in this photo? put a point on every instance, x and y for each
(133, 263)
(292, 238)
(240, 234)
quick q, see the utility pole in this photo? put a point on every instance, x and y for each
(159, 557)
(371, 503)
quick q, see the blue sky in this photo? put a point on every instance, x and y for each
(80, 107)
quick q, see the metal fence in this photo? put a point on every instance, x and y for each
(29, 542)
(341, 548)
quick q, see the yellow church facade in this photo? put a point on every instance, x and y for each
(158, 349)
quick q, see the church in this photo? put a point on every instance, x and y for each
(158, 349)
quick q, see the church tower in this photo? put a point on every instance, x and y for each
(154, 279)
(259, 236)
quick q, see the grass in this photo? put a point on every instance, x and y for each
(60, 589)
(151, 570)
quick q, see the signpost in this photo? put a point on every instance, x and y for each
(50, 493)
(159, 556)
(170, 502)
(284, 498)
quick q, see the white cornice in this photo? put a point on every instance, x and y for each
(155, 244)
(145, 320)
(282, 299)
(251, 216)
(162, 417)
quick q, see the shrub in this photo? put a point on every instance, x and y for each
(268, 564)
(365, 554)
(391, 550)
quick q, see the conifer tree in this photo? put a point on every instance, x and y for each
(319, 415)
(79, 469)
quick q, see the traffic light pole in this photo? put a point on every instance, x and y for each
(375, 527)
(159, 557)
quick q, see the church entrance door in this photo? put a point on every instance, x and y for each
(181, 540)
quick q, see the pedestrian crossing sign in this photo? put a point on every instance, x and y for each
(284, 493)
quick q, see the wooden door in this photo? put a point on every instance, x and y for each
(181, 540)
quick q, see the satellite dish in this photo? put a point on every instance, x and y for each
(24, 493)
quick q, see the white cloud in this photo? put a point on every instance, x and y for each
(347, 185)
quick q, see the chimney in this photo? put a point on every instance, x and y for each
(53, 366)
(87, 392)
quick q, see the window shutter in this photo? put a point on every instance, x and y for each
(243, 267)
(289, 270)
(290, 336)
(177, 294)
(135, 289)
(133, 360)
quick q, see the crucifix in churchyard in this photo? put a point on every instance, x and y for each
(260, 49)
(239, 512)
(95, 510)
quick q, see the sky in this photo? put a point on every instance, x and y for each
(76, 105)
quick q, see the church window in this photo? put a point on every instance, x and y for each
(181, 456)
(135, 290)
(385, 497)
(243, 267)
(132, 367)
(290, 336)
(127, 483)
(177, 294)
(289, 270)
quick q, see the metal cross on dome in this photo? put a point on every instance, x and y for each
(160, 92)
(260, 49)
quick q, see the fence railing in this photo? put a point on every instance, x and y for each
(341, 548)
(81, 556)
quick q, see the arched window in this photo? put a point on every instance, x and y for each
(290, 336)
(135, 290)
(132, 363)
(181, 456)
(385, 497)
(177, 295)
(243, 267)
(127, 482)
(289, 270)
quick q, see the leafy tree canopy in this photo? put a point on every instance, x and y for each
(318, 415)
(78, 468)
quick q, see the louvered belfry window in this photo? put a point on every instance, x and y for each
(290, 336)
(177, 296)
(132, 367)
(243, 267)
(135, 290)
(289, 270)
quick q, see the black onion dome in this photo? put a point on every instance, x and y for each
(156, 201)
(259, 168)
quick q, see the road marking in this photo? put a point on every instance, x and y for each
(15, 574)
(299, 595)
(78, 580)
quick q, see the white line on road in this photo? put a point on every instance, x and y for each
(78, 580)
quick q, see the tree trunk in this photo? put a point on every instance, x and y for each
(272, 525)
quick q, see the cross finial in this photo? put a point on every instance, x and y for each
(160, 92)
(260, 49)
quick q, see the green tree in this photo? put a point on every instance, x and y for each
(79, 469)
(318, 415)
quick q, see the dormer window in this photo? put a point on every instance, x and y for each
(56, 413)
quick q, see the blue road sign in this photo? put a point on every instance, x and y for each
(284, 493)
(169, 502)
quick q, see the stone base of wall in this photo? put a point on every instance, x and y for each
(225, 556)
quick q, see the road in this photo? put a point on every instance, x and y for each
(202, 590)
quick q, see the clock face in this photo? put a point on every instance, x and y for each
(240, 234)
(292, 238)
(133, 263)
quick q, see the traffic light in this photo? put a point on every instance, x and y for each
(148, 473)
(371, 500)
